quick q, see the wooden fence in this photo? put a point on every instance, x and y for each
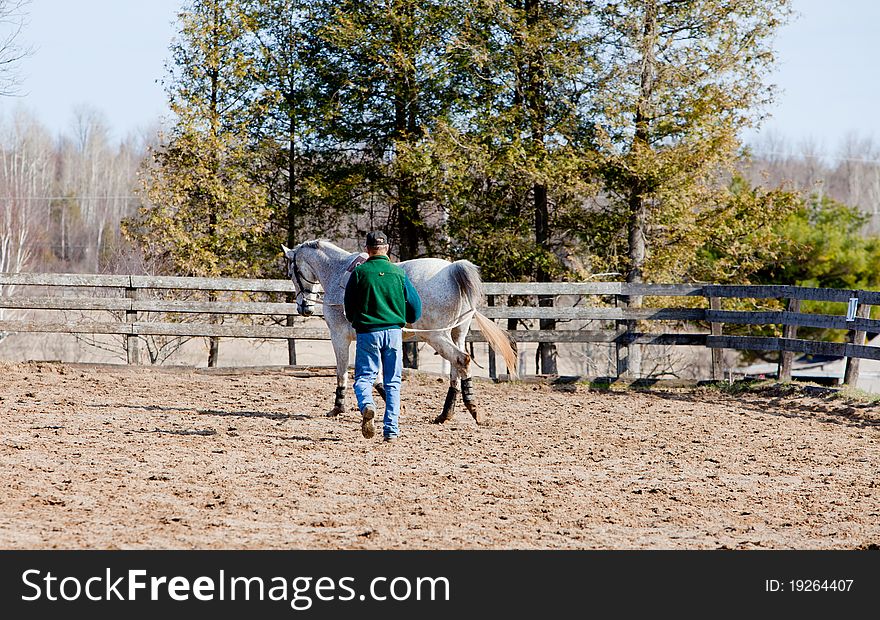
(130, 298)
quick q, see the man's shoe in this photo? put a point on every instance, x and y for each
(368, 414)
(390, 439)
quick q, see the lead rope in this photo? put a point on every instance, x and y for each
(464, 317)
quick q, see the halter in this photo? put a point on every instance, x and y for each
(299, 278)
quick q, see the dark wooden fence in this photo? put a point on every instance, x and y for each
(133, 299)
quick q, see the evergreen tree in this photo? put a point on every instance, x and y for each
(383, 81)
(680, 80)
(520, 148)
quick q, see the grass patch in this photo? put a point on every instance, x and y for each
(855, 395)
(773, 388)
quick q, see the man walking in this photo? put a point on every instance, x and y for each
(379, 301)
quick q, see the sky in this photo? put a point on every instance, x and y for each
(827, 74)
(109, 55)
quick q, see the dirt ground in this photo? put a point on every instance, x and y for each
(111, 457)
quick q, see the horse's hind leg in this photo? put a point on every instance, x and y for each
(459, 335)
(467, 395)
(458, 361)
(449, 403)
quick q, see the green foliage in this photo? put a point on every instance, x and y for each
(824, 247)
(737, 239)
(540, 139)
(780, 237)
(516, 160)
(676, 84)
(381, 86)
(203, 214)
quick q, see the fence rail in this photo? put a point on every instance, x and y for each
(133, 297)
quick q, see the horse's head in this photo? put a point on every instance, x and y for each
(301, 273)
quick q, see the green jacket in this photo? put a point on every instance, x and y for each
(380, 296)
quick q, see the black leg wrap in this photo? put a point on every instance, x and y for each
(467, 390)
(380, 389)
(467, 395)
(340, 396)
(448, 406)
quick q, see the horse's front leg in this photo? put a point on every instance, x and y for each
(340, 342)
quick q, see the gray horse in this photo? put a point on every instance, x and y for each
(450, 293)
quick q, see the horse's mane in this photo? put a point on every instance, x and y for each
(316, 244)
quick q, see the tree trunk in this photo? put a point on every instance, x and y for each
(213, 351)
(638, 211)
(535, 99)
(291, 213)
(213, 341)
(406, 127)
(546, 350)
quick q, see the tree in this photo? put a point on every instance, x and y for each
(382, 77)
(26, 175)
(95, 181)
(517, 146)
(204, 215)
(382, 82)
(742, 236)
(780, 236)
(823, 245)
(16, 229)
(12, 22)
(680, 80)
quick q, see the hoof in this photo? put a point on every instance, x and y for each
(442, 418)
(479, 416)
(335, 412)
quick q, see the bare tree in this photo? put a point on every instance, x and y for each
(25, 176)
(849, 174)
(12, 21)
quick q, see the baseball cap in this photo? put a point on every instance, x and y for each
(376, 238)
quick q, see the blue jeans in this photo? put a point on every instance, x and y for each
(385, 346)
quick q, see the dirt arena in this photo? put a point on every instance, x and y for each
(111, 457)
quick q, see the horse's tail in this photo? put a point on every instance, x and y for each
(500, 340)
(467, 276)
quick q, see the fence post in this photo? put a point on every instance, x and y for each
(717, 354)
(504, 300)
(493, 370)
(622, 340)
(547, 350)
(132, 346)
(290, 321)
(787, 357)
(851, 374)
